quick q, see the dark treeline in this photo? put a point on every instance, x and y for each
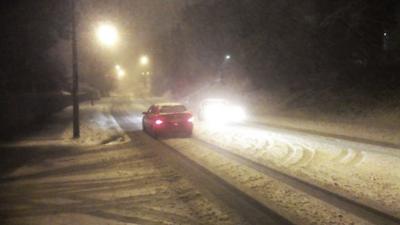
(292, 44)
(29, 59)
(31, 75)
(29, 29)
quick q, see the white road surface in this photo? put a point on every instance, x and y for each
(367, 174)
(116, 174)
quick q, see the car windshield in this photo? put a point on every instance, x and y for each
(172, 109)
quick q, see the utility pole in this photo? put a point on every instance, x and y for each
(75, 77)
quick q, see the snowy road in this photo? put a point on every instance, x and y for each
(225, 175)
(358, 173)
(364, 173)
(102, 179)
(212, 186)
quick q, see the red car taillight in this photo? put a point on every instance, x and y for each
(159, 122)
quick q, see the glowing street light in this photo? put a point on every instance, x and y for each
(107, 34)
(144, 60)
(120, 72)
(228, 57)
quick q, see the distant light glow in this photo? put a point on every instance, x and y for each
(228, 57)
(144, 60)
(107, 34)
(190, 120)
(120, 72)
(159, 122)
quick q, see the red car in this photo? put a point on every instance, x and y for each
(168, 118)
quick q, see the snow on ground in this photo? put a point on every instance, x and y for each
(97, 125)
(386, 131)
(119, 184)
(295, 205)
(366, 173)
(369, 176)
(348, 113)
(49, 178)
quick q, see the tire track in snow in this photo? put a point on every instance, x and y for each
(349, 157)
(363, 211)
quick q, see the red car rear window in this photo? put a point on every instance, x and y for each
(173, 109)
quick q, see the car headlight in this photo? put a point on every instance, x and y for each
(237, 114)
(223, 113)
(215, 113)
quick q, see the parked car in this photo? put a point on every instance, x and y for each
(168, 118)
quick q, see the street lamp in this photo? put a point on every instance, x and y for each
(75, 77)
(223, 65)
(144, 60)
(120, 72)
(107, 34)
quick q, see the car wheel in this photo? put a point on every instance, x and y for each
(154, 133)
(189, 134)
(144, 127)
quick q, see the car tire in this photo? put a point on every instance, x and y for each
(144, 127)
(188, 134)
(154, 133)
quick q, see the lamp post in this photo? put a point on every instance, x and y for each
(75, 76)
(220, 76)
(144, 60)
(108, 36)
(120, 72)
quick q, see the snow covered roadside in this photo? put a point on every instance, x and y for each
(287, 201)
(370, 177)
(361, 128)
(98, 129)
(97, 126)
(52, 179)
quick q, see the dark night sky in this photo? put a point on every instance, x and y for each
(137, 22)
(277, 31)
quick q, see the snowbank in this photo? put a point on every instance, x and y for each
(97, 125)
(347, 114)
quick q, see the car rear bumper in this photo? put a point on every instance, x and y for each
(173, 128)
